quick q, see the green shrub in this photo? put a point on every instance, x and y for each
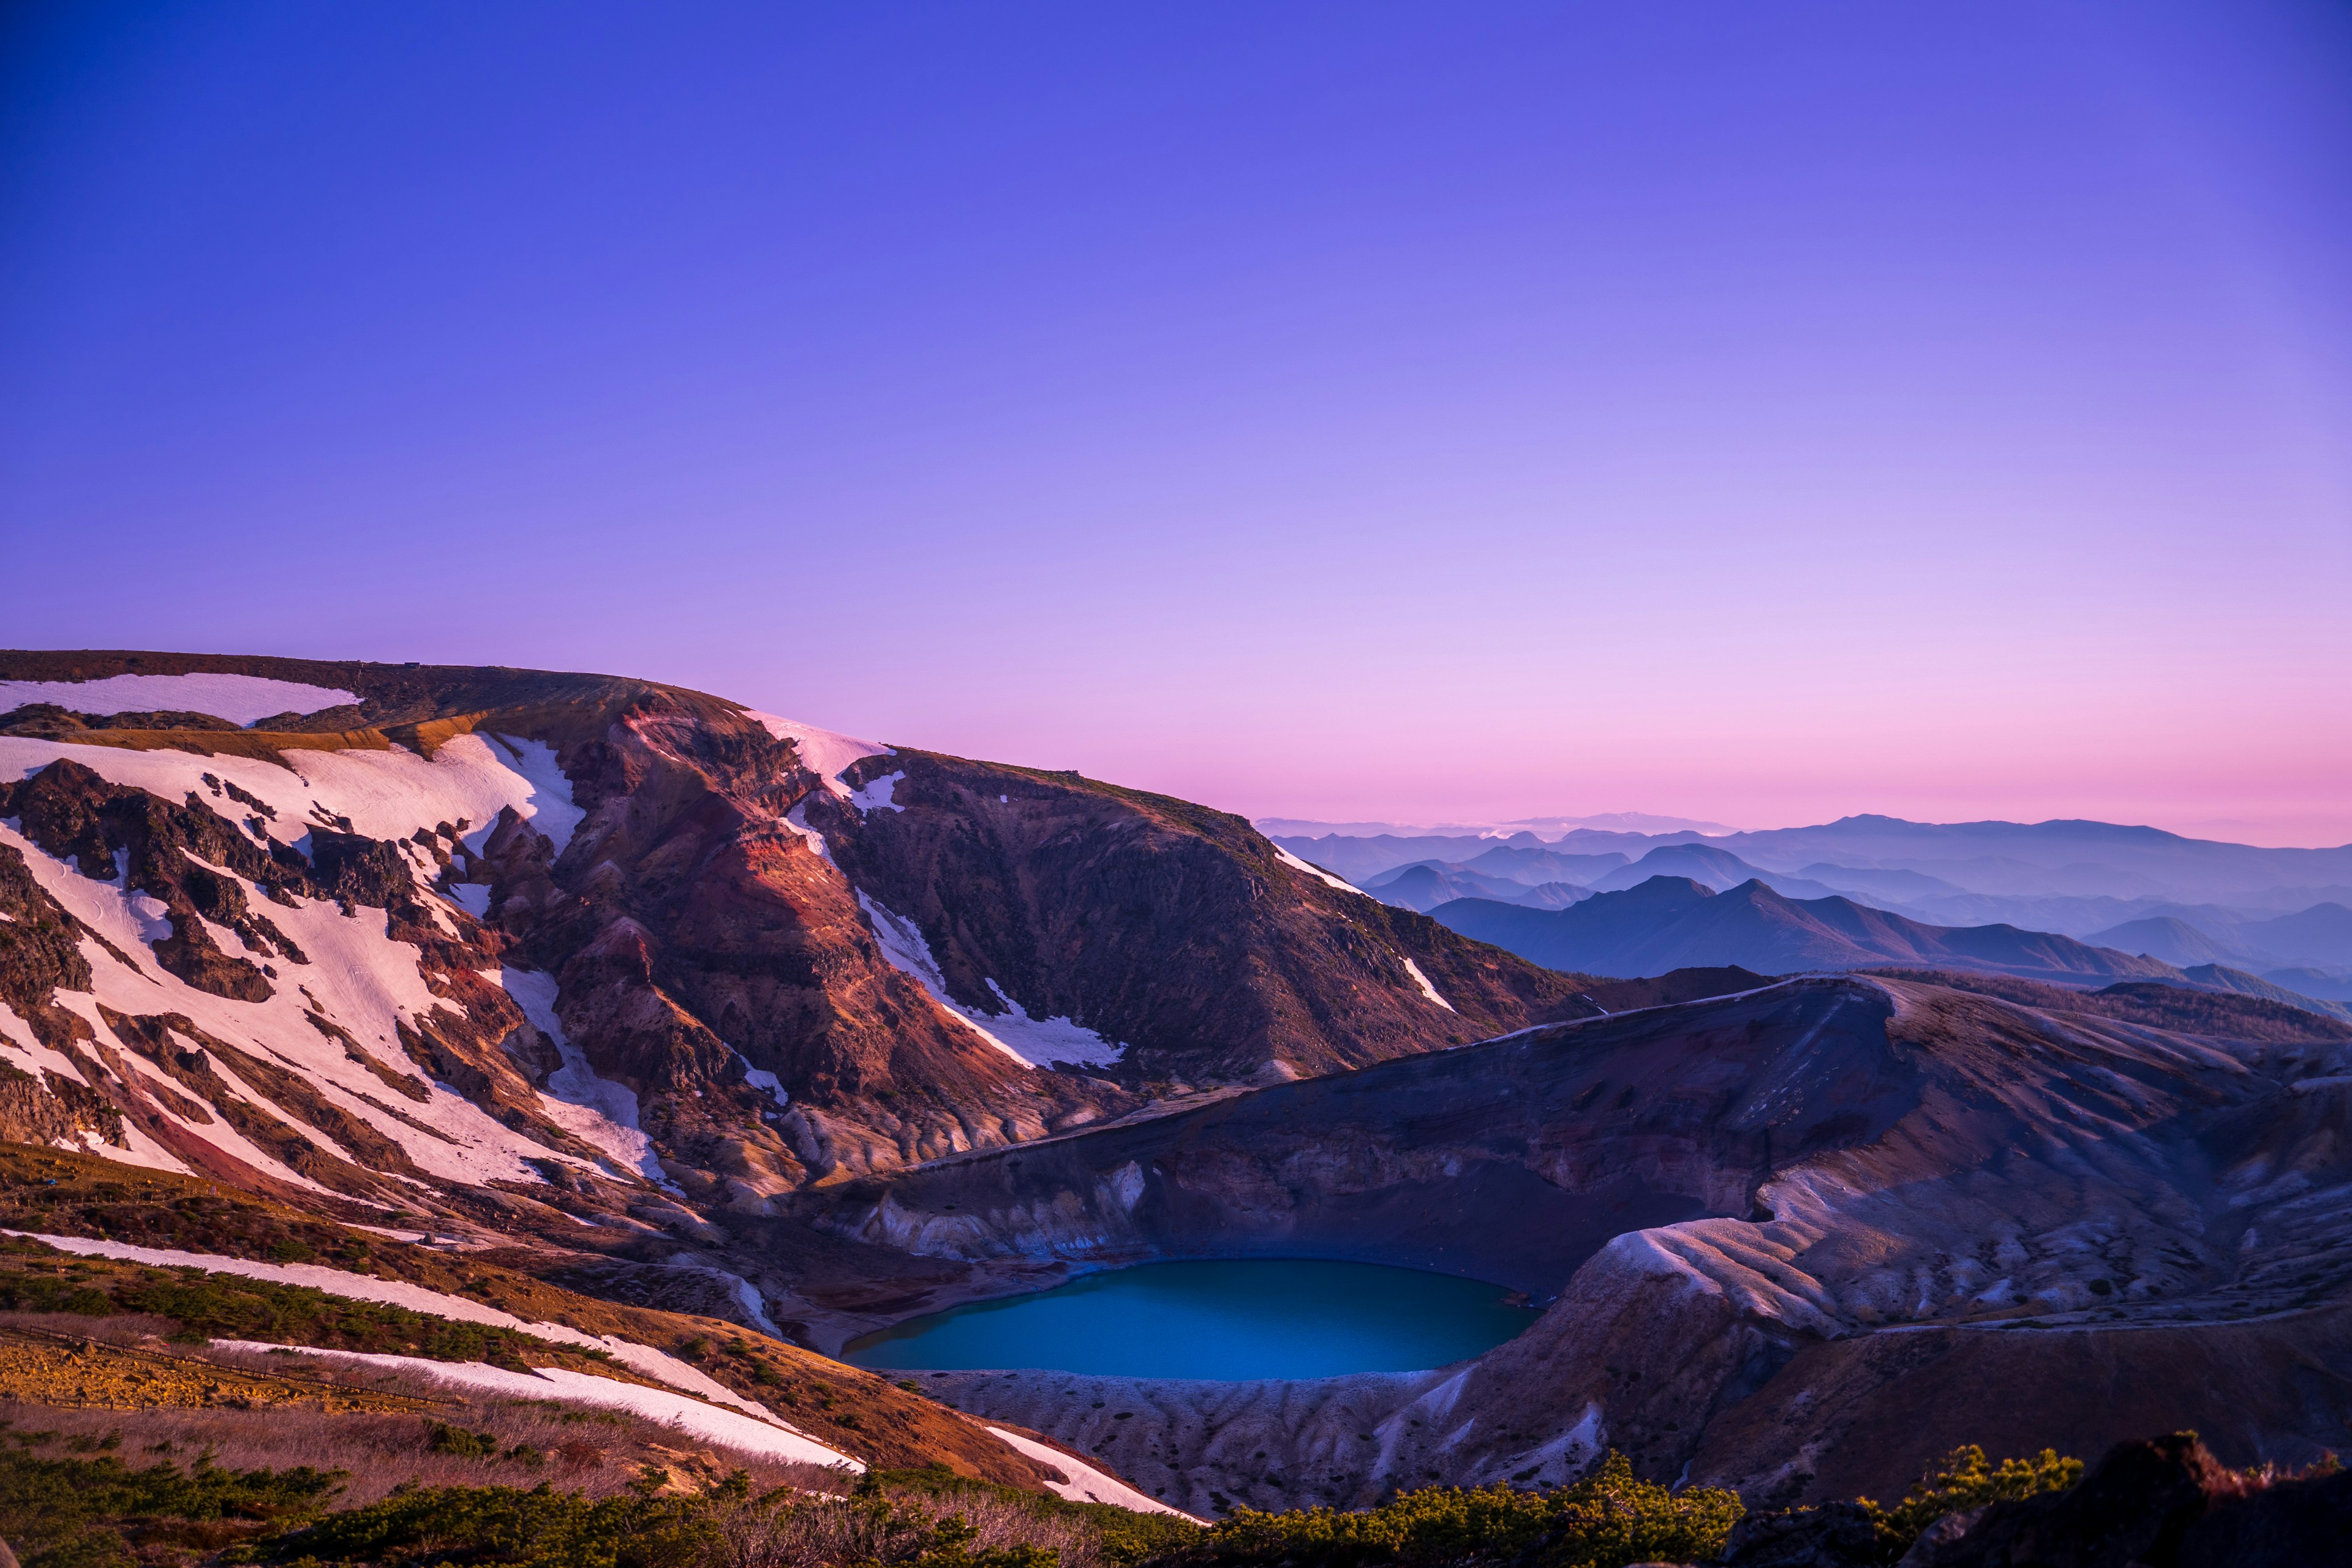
(1606, 1521)
(74, 1513)
(442, 1439)
(1965, 1481)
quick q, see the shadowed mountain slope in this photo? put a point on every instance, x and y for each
(2170, 939)
(1424, 887)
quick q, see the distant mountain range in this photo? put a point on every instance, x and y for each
(1426, 886)
(2284, 916)
(1675, 923)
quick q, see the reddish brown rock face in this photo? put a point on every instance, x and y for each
(1173, 928)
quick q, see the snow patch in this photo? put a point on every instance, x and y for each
(239, 698)
(755, 1304)
(1085, 1484)
(761, 1078)
(1032, 1042)
(764, 1437)
(549, 806)
(1320, 874)
(474, 898)
(826, 753)
(1426, 988)
(596, 1110)
(876, 796)
(358, 978)
(797, 820)
(386, 794)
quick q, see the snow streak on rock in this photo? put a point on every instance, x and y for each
(1032, 1042)
(1426, 988)
(1320, 874)
(825, 752)
(596, 1110)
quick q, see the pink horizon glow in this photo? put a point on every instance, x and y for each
(1394, 412)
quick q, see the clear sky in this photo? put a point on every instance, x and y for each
(1759, 413)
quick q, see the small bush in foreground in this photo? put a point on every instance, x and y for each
(1966, 1480)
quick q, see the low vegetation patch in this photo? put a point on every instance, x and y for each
(1606, 1521)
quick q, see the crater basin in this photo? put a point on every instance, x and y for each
(1228, 1319)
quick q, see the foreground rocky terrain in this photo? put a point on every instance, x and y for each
(666, 1006)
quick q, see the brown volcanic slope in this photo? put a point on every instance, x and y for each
(1167, 926)
(169, 885)
(1911, 1217)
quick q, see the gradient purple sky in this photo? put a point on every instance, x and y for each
(1753, 412)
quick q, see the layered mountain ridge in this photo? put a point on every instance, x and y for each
(1672, 922)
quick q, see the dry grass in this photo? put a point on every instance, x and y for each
(519, 1442)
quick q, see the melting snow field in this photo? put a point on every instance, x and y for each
(1087, 1484)
(1426, 988)
(640, 1358)
(825, 752)
(357, 977)
(1032, 1042)
(239, 698)
(689, 1415)
(386, 794)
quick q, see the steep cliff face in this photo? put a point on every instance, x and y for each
(1177, 932)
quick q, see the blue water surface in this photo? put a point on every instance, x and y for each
(1249, 1317)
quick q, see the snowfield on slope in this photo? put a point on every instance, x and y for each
(239, 698)
(358, 978)
(826, 752)
(596, 1110)
(725, 1427)
(1032, 1042)
(386, 794)
(1085, 1484)
(637, 1357)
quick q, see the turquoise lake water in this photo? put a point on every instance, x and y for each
(1268, 1317)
